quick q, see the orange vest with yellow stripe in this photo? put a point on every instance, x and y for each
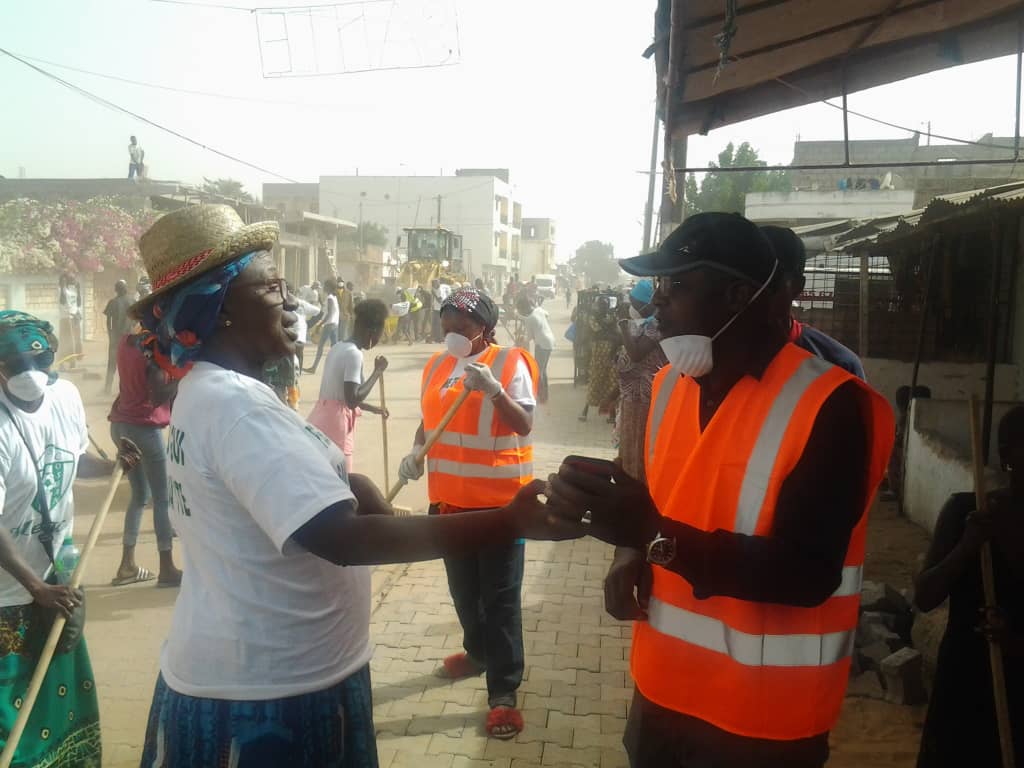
(762, 670)
(479, 462)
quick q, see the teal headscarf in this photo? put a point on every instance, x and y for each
(24, 335)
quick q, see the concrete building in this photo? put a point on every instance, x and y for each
(809, 206)
(478, 204)
(309, 246)
(926, 182)
(864, 193)
(538, 248)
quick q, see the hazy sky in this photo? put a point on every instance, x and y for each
(551, 89)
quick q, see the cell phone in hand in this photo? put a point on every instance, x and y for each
(598, 467)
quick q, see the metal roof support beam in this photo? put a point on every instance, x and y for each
(841, 166)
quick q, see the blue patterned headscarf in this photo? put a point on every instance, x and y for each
(24, 335)
(179, 323)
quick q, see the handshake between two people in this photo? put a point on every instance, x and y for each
(587, 497)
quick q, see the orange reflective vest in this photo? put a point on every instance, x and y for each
(478, 462)
(762, 670)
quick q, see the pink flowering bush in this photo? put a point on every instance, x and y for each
(38, 236)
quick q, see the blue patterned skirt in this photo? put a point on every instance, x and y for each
(332, 728)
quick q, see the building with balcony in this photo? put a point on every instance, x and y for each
(538, 248)
(478, 204)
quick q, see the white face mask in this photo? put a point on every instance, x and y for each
(28, 386)
(634, 313)
(458, 345)
(691, 354)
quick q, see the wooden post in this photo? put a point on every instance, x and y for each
(865, 300)
(995, 653)
(993, 333)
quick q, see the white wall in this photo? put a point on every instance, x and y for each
(824, 206)
(467, 208)
(948, 381)
(939, 456)
(532, 258)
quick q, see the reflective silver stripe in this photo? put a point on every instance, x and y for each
(745, 648)
(853, 578)
(430, 374)
(501, 472)
(658, 408)
(485, 442)
(483, 427)
(766, 448)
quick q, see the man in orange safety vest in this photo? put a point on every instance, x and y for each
(741, 560)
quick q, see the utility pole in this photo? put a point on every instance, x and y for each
(439, 211)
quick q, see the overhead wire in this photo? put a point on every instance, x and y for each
(116, 107)
(187, 91)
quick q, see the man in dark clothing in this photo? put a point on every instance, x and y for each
(119, 325)
(741, 561)
(789, 250)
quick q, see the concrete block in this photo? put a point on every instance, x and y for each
(903, 676)
(872, 595)
(927, 635)
(872, 629)
(871, 656)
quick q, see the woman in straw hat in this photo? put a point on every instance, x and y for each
(267, 658)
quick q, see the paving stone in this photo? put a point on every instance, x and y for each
(469, 762)
(566, 756)
(562, 720)
(529, 750)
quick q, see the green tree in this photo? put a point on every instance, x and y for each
(368, 233)
(596, 262)
(728, 191)
(230, 188)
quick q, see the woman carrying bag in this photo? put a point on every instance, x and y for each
(43, 441)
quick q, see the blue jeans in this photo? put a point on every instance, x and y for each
(149, 478)
(486, 588)
(542, 357)
(328, 333)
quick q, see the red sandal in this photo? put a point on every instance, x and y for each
(504, 718)
(459, 665)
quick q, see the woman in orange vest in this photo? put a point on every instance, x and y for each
(481, 461)
(741, 559)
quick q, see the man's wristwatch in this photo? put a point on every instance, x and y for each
(662, 550)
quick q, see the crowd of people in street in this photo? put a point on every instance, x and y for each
(738, 519)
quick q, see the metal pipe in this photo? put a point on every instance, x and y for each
(1020, 56)
(842, 166)
(649, 210)
(846, 122)
(993, 332)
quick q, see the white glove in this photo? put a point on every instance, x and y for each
(480, 379)
(410, 469)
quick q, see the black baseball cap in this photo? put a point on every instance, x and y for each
(726, 242)
(789, 248)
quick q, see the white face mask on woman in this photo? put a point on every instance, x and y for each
(691, 354)
(458, 345)
(28, 386)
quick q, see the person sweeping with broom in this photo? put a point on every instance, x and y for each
(481, 461)
(43, 442)
(267, 658)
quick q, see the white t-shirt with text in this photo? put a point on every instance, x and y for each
(344, 363)
(258, 617)
(58, 435)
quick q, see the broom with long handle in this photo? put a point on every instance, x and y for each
(58, 625)
(995, 653)
(432, 438)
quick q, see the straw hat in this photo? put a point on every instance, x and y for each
(184, 244)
